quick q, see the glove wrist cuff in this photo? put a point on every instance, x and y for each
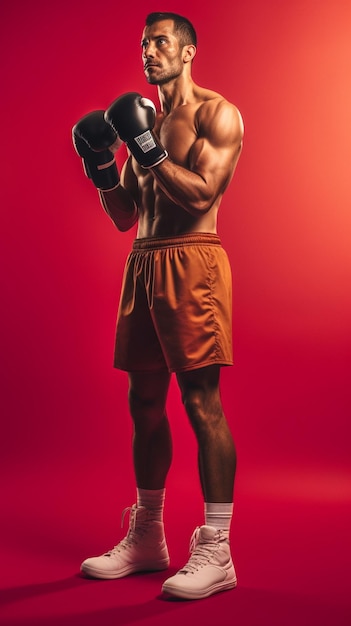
(160, 160)
(111, 188)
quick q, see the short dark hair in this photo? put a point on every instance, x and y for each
(182, 26)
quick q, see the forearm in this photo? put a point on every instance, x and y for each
(183, 187)
(120, 207)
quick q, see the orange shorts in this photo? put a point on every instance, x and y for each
(175, 311)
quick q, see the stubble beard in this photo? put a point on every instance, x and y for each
(165, 78)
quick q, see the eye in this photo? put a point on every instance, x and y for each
(161, 41)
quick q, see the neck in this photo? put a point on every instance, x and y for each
(176, 93)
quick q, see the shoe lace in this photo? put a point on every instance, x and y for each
(135, 532)
(201, 552)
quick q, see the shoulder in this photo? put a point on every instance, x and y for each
(218, 115)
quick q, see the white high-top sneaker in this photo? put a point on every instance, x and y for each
(143, 549)
(210, 568)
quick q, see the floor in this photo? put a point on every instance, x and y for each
(290, 542)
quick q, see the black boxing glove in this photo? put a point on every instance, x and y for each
(133, 118)
(92, 138)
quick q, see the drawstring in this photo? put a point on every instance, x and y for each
(144, 263)
(136, 272)
(149, 278)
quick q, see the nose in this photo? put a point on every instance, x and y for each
(148, 50)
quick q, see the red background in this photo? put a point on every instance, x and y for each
(285, 222)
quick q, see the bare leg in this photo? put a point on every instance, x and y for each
(216, 451)
(152, 443)
(144, 548)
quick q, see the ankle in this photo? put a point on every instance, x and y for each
(153, 501)
(219, 516)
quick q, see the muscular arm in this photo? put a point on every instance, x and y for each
(120, 204)
(212, 161)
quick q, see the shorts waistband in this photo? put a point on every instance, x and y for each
(156, 243)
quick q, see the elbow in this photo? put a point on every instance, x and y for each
(201, 202)
(200, 206)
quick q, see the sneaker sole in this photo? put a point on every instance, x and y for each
(91, 572)
(193, 594)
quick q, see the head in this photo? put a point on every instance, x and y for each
(168, 46)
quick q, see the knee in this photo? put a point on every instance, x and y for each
(138, 403)
(204, 413)
(147, 396)
(146, 410)
(193, 404)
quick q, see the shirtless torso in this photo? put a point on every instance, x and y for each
(202, 133)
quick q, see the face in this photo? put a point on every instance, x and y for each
(161, 53)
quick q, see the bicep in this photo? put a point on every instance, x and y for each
(216, 151)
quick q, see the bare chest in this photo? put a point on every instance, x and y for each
(177, 132)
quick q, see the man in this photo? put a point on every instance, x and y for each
(175, 307)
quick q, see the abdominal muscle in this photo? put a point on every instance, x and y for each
(160, 217)
(173, 221)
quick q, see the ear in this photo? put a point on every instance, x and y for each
(189, 53)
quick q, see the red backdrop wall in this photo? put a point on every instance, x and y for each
(285, 222)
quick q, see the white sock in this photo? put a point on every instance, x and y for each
(152, 499)
(219, 515)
